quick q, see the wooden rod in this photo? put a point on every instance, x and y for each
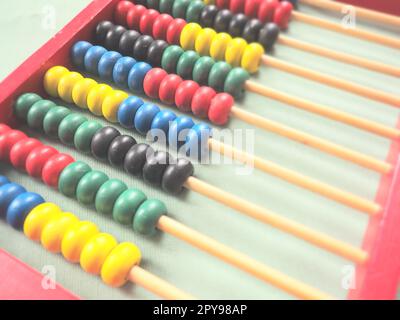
(313, 141)
(337, 27)
(240, 260)
(328, 191)
(157, 285)
(298, 230)
(331, 113)
(332, 81)
(339, 56)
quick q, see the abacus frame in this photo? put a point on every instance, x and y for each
(377, 279)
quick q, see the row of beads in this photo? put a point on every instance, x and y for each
(210, 16)
(207, 42)
(171, 89)
(62, 232)
(131, 112)
(187, 64)
(104, 143)
(265, 10)
(90, 187)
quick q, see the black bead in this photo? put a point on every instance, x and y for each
(222, 20)
(176, 175)
(208, 15)
(136, 158)
(251, 30)
(102, 30)
(237, 25)
(141, 47)
(155, 52)
(127, 42)
(118, 149)
(113, 37)
(268, 35)
(101, 141)
(155, 167)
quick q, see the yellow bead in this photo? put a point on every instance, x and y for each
(209, 2)
(219, 45)
(119, 262)
(38, 218)
(111, 104)
(81, 90)
(96, 97)
(203, 41)
(251, 58)
(67, 84)
(52, 78)
(76, 238)
(55, 230)
(234, 51)
(188, 36)
(96, 251)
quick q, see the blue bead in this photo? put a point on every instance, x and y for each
(178, 131)
(136, 76)
(8, 193)
(196, 144)
(3, 180)
(162, 121)
(144, 117)
(122, 69)
(78, 53)
(92, 58)
(20, 207)
(127, 111)
(106, 64)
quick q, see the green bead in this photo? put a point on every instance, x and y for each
(127, 204)
(53, 119)
(153, 4)
(235, 81)
(170, 58)
(89, 185)
(218, 74)
(108, 194)
(68, 127)
(166, 6)
(70, 177)
(24, 103)
(84, 135)
(179, 8)
(201, 70)
(194, 10)
(37, 113)
(186, 64)
(147, 216)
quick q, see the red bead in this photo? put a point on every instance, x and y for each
(37, 159)
(121, 11)
(134, 15)
(237, 6)
(184, 95)
(202, 100)
(4, 128)
(168, 88)
(147, 21)
(152, 81)
(282, 14)
(174, 31)
(20, 151)
(7, 140)
(160, 26)
(251, 8)
(267, 10)
(53, 168)
(222, 4)
(220, 108)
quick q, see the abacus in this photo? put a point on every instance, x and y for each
(110, 78)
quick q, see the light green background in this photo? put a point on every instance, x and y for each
(24, 27)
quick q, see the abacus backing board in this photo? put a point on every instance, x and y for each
(194, 271)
